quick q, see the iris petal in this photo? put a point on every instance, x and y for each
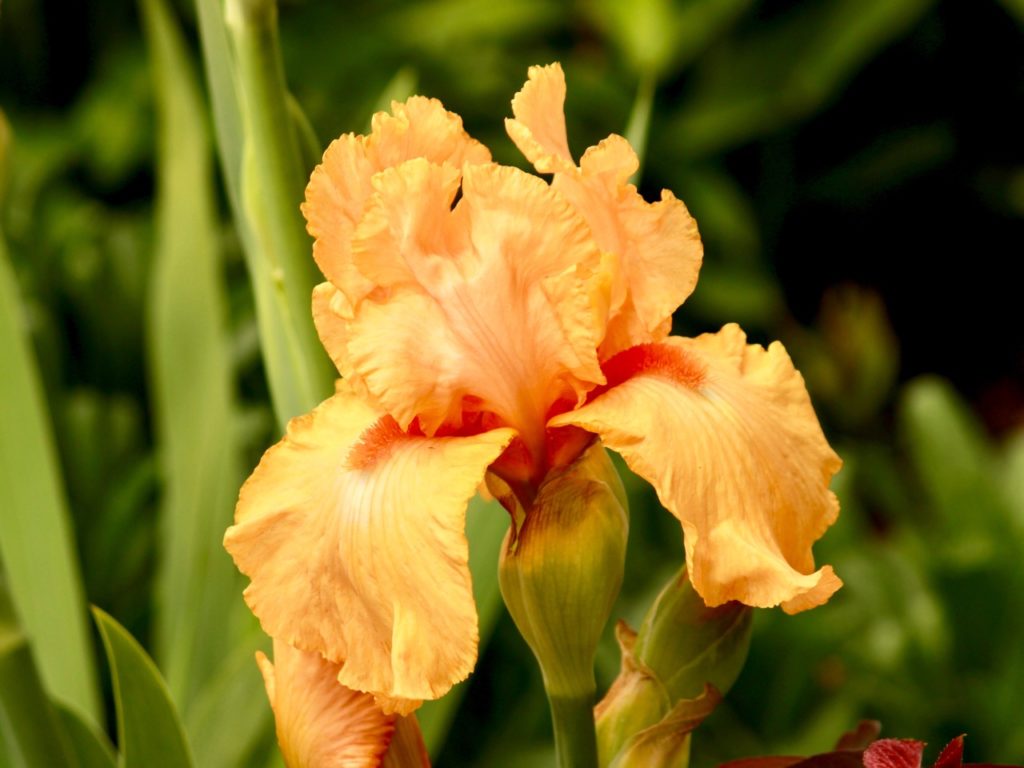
(657, 247)
(725, 433)
(340, 186)
(491, 301)
(321, 723)
(352, 533)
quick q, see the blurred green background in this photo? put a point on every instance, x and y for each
(856, 168)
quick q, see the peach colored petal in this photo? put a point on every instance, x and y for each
(320, 722)
(659, 251)
(340, 186)
(352, 534)
(493, 301)
(331, 313)
(657, 245)
(538, 128)
(725, 433)
(421, 127)
(407, 749)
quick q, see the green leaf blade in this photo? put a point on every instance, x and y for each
(30, 731)
(201, 616)
(91, 747)
(150, 734)
(36, 541)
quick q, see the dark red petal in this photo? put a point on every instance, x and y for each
(894, 753)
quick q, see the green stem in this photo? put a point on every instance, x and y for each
(575, 737)
(640, 120)
(273, 175)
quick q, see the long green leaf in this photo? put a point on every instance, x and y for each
(956, 465)
(149, 731)
(91, 748)
(35, 532)
(30, 730)
(200, 617)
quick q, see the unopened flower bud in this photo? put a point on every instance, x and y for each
(688, 645)
(561, 572)
(673, 672)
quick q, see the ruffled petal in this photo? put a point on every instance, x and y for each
(340, 186)
(320, 722)
(657, 247)
(494, 303)
(332, 311)
(351, 531)
(726, 434)
(538, 128)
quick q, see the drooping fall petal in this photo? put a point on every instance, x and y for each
(407, 750)
(320, 722)
(657, 246)
(725, 433)
(352, 533)
(491, 300)
(340, 186)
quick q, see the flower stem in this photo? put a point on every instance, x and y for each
(575, 739)
(271, 172)
(640, 121)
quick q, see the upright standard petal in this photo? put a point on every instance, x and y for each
(485, 307)
(340, 186)
(352, 532)
(725, 433)
(320, 722)
(538, 128)
(657, 246)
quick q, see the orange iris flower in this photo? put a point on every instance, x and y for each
(490, 324)
(323, 724)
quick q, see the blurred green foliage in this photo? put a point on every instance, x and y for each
(830, 163)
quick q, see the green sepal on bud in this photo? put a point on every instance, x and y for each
(687, 644)
(560, 573)
(674, 671)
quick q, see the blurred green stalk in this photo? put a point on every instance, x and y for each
(36, 542)
(200, 618)
(639, 123)
(261, 154)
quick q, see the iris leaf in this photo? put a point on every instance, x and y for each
(201, 615)
(91, 748)
(149, 731)
(36, 542)
(30, 731)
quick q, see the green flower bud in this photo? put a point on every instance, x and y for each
(688, 645)
(672, 672)
(562, 572)
(636, 700)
